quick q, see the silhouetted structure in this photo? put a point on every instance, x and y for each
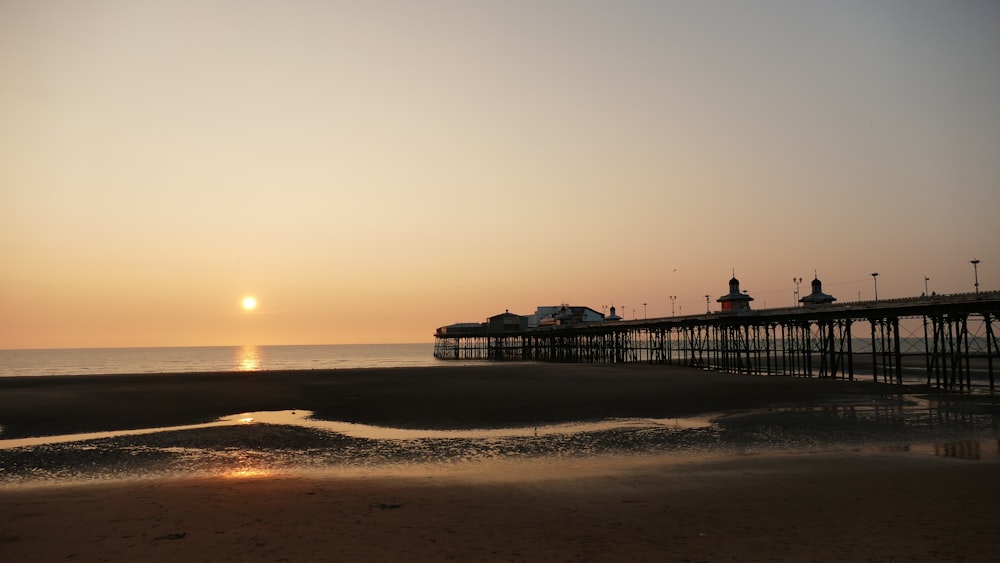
(613, 316)
(817, 297)
(566, 315)
(507, 321)
(950, 340)
(734, 300)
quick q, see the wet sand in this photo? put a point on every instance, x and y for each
(487, 396)
(838, 506)
(825, 503)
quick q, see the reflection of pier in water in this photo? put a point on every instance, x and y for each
(946, 341)
(910, 411)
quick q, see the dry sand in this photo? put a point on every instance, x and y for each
(825, 505)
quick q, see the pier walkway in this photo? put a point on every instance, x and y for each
(945, 341)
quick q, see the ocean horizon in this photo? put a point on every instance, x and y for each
(193, 359)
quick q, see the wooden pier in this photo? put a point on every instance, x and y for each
(945, 341)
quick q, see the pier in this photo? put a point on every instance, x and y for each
(945, 341)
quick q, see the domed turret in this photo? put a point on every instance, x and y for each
(735, 300)
(817, 297)
(613, 316)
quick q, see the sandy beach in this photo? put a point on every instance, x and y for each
(835, 506)
(833, 500)
(490, 395)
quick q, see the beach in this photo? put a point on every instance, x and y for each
(490, 395)
(846, 483)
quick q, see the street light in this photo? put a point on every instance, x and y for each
(926, 291)
(673, 300)
(796, 281)
(708, 307)
(875, 279)
(975, 269)
(644, 316)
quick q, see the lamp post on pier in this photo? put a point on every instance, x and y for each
(875, 279)
(926, 291)
(796, 281)
(975, 269)
(673, 301)
(708, 307)
(644, 316)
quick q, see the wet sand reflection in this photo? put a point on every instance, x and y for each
(303, 419)
(270, 443)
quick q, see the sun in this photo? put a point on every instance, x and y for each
(249, 303)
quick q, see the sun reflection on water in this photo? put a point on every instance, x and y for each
(248, 358)
(246, 464)
(246, 470)
(246, 473)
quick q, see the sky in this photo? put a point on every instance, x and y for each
(369, 171)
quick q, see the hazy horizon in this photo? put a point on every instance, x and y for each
(370, 171)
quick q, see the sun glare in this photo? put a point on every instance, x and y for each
(249, 303)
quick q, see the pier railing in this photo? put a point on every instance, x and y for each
(946, 341)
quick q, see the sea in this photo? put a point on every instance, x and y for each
(100, 361)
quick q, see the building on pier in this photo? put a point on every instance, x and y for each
(507, 322)
(735, 300)
(461, 328)
(545, 316)
(565, 315)
(613, 316)
(817, 297)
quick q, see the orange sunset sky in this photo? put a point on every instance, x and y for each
(372, 170)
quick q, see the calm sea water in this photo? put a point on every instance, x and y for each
(217, 358)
